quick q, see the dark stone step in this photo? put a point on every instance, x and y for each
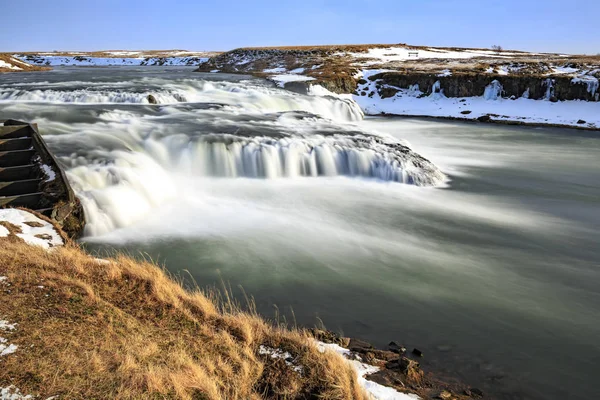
(16, 158)
(19, 173)
(15, 131)
(17, 188)
(24, 143)
(30, 200)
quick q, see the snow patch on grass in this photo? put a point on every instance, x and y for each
(13, 393)
(280, 354)
(4, 64)
(41, 234)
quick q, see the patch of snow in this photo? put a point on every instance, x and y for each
(277, 70)
(445, 72)
(4, 64)
(50, 174)
(28, 233)
(5, 326)
(297, 71)
(6, 348)
(278, 353)
(13, 393)
(391, 54)
(564, 70)
(281, 80)
(214, 71)
(3, 231)
(374, 389)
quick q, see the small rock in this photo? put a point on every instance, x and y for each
(553, 99)
(396, 348)
(43, 236)
(151, 99)
(417, 352)
(359, 346)
(581, 122)
(466, 112)
(484, 118)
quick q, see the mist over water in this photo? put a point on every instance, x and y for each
(486, 257)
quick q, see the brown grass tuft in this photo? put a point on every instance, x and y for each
(124, 329)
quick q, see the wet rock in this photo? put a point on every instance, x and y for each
(581, 122)
(466, 112)
(396, 347)
(359, 346)
(484, 118)
(411, 369)
(417, 352)
(387, 92)
(553, 99)
(151, 99)
(326, 336)
(362, 82)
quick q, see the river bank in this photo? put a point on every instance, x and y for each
(469, 84)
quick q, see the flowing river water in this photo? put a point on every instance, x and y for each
(478, 244)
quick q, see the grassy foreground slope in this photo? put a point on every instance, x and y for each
(88, 328)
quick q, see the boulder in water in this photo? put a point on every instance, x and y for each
(151, 99)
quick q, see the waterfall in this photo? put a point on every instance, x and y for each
(292, 157)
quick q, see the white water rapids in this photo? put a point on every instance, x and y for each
(135, 156)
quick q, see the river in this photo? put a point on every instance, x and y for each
(484, 254)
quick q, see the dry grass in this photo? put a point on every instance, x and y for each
(123, 329)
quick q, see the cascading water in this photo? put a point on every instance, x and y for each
(250, 97)
(125, 157)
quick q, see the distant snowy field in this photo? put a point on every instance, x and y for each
(115, 58)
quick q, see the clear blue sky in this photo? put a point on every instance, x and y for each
(548, 25)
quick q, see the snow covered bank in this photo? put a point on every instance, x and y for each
(92, 61)
(489, 106)
(28, 227)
